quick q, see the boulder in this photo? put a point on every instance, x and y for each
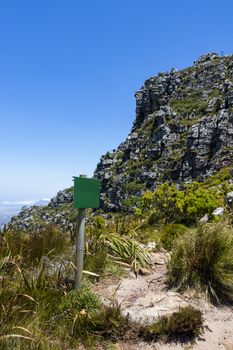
(204, 219)
(229, 198)
(218, 211)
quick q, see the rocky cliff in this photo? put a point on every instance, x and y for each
(183, 130)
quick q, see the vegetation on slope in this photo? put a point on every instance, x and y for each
(188, 204)
(39, 308)
(203, 258)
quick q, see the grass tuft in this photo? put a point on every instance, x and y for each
(108, 323)
(169, 233)
(183, 325)
(204, 258)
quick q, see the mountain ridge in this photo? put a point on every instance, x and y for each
(183, 131)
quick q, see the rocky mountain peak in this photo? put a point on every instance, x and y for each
(183, 130)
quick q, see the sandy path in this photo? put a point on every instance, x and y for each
(146, 297)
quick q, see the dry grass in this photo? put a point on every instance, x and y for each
(203, 258)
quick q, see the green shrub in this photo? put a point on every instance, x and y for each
(188, 105)
(133, 187)
(164, 204)
(97, 261)
(130, 203)
(148, 233)
(203, 258)
(187, 205)
(109, 323)
(185, 324)
(169, 233)
(32, 246)
(117, 240)
(128, 249)
(77, 300)
(199, 201)
(146, 201)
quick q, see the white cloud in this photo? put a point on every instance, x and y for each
(17, 203)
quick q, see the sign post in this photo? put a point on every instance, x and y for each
(86, 195)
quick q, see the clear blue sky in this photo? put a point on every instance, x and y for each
(68, 73)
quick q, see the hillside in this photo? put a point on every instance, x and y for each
(183, 130)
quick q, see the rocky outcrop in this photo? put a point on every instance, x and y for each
(57, 212)
(183, 130)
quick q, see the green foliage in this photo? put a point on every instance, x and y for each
(95, 228)
(128, 249)
(146, 201)
(109, 323)
(215, 93)
(203, 258)
(219, 179)
(116, 243)
(148, 233)
(96, 261)
(77, 300)
(37, 306)
(189, 203)
(32, 246)
(185, 324)
(199, 201)
(169, 233)
(186, 106)
(168, 202)
(133, 187)
(188, 123)
(32, 283)
(130, 203)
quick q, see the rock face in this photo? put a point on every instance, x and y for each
(183, 130)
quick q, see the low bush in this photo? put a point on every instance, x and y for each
(188, 105)
(128, 249)
(96, 261)
(203, 258)
(114, 241)
(32, 246)
(185, 324)
(109, 323)
(77, 300)
(43, 311)
(168, 204)
(169, 233)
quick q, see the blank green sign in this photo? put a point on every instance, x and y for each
(86, 193)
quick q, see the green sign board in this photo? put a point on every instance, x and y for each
(86, 193)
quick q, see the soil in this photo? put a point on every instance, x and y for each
(145, 297)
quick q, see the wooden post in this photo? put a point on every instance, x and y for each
(80, 227)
